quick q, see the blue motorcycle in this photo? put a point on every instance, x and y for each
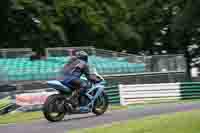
(93, 99)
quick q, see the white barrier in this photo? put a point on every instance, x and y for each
(130, 94)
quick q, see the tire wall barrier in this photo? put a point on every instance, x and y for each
(121, 94)
(131, 94)
(32, 99)
(38, 97)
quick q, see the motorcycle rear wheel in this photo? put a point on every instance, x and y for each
(51, 108)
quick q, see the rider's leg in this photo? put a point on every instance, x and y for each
(76, 93)
(84, 86)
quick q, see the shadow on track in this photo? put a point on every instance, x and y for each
(73, 118)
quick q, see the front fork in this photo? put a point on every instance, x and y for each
(93, 98)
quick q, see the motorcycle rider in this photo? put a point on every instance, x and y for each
(73, 70)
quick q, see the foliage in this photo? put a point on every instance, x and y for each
(135, 25)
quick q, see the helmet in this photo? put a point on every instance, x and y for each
(82, 55)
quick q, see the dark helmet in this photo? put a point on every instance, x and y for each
(82, 55)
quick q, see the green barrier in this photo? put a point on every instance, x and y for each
(190, 90)
(189, 83)
(190, 87)
(113, 94)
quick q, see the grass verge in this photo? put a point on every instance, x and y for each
(184, 122)
(158, 103)
(20, 117)
(117, 107)
(4, 102)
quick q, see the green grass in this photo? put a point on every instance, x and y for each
(4, 102)
(185, 122)
(136, 105)
(117, 107)
(2, 105)
(20, 117)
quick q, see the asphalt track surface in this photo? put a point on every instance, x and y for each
(88, 121)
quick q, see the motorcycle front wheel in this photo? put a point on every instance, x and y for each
(100, 104)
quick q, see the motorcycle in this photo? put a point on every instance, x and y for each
(92, 100)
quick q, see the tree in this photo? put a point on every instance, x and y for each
(60, 22)
(4, 11)
(185, 30)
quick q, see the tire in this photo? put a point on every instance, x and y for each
(103, 109)
(46, 108)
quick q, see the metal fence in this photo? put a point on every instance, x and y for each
(126, 62)
(147, 78)
(155, 63)
(15, 52)
(66, 51)
(110, 53)
(161, 63)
